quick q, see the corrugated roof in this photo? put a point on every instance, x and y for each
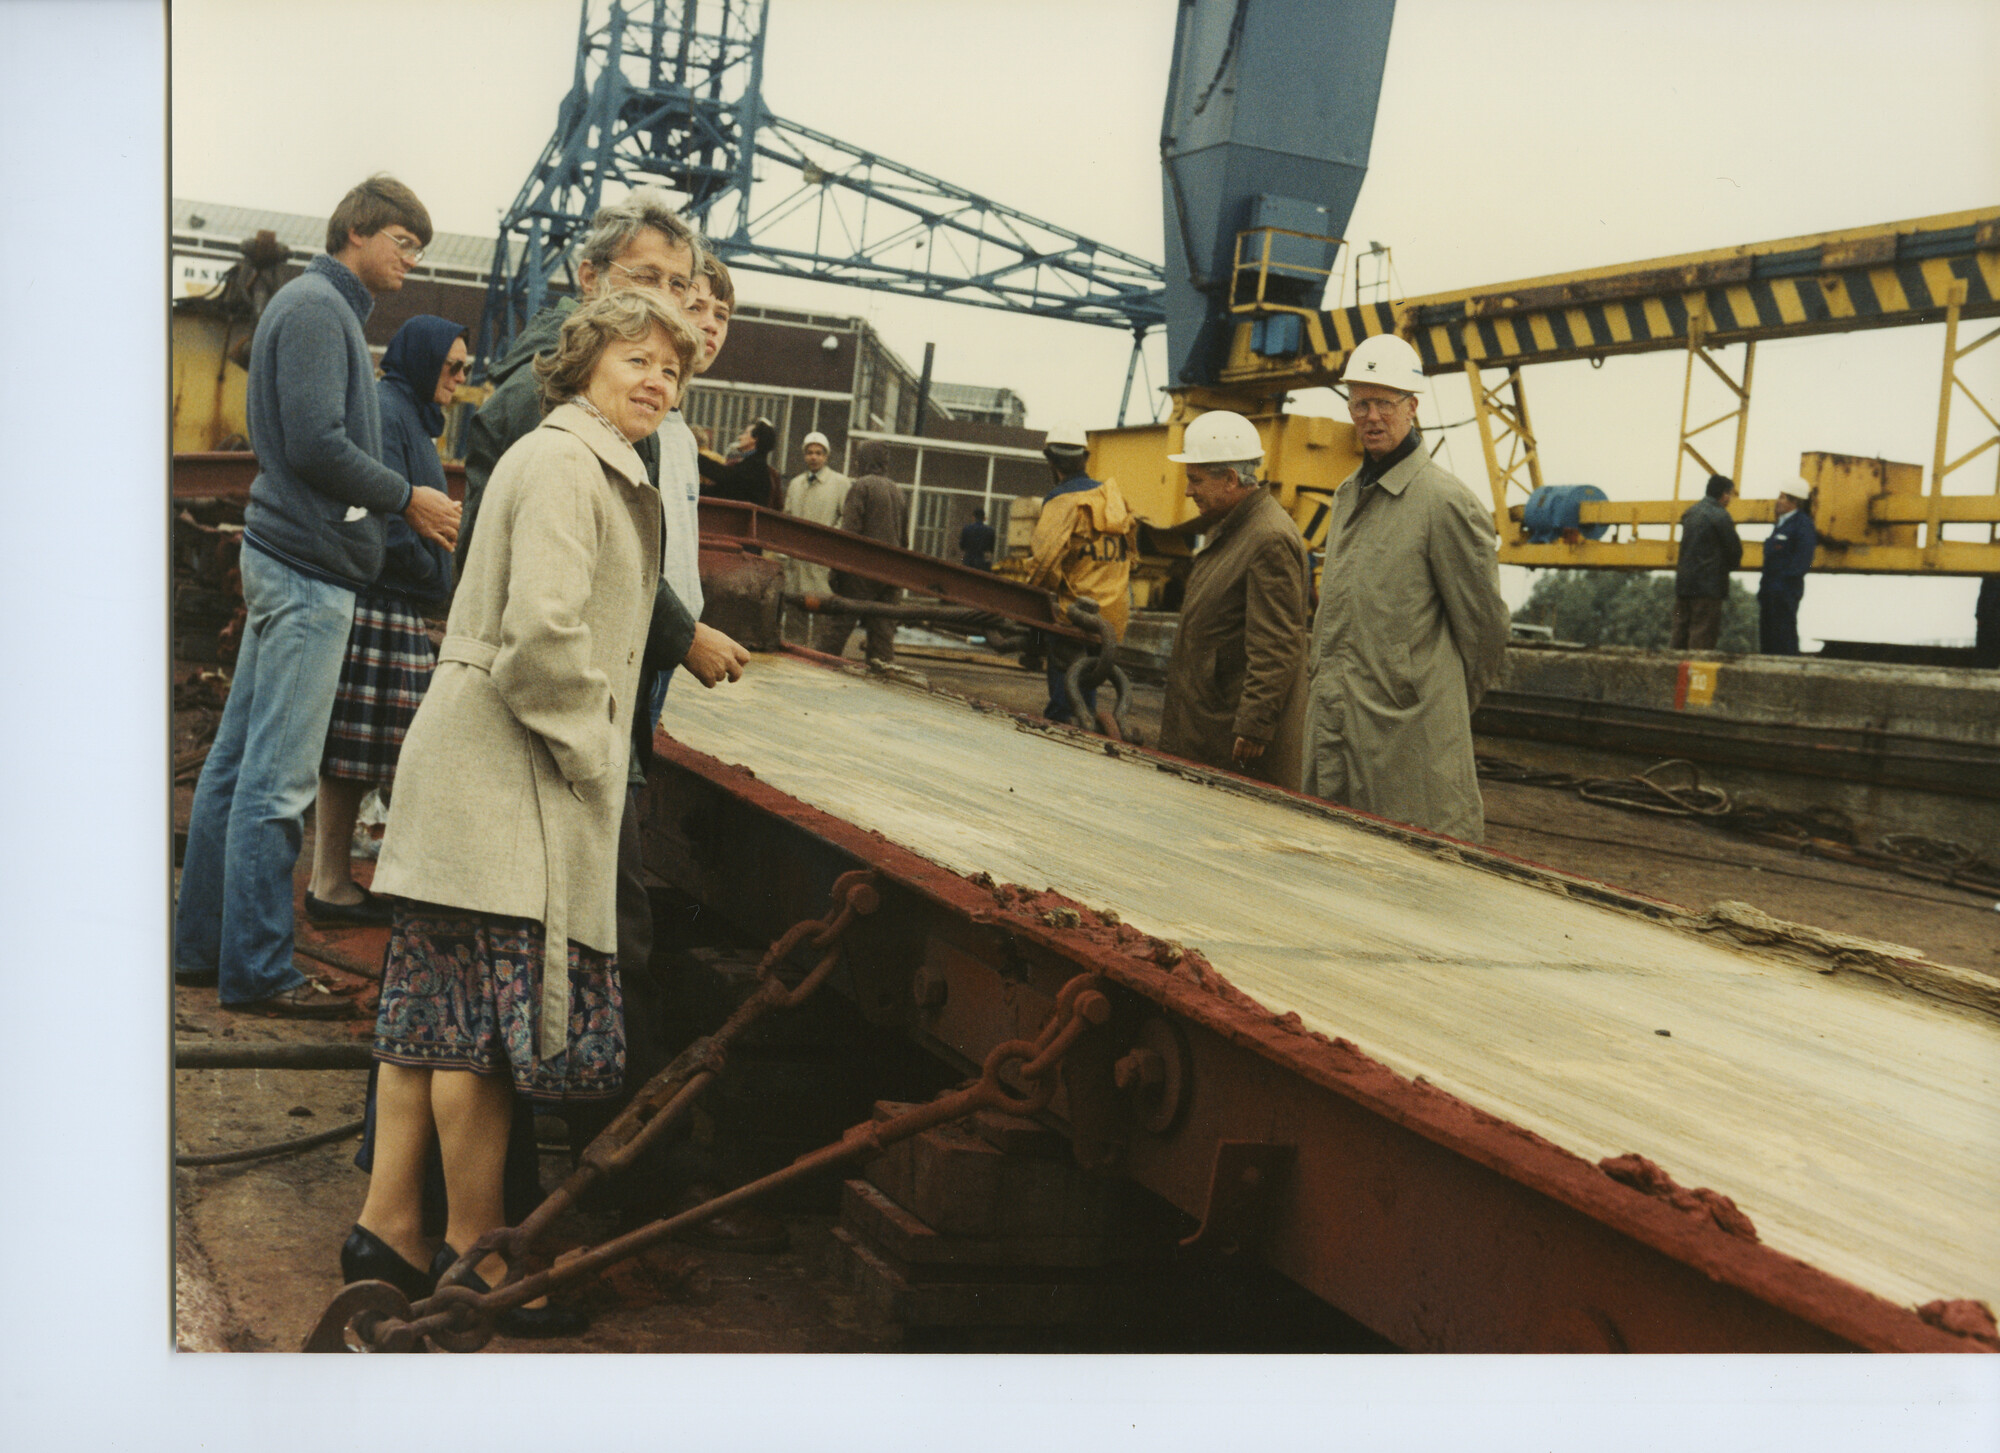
(226, 226)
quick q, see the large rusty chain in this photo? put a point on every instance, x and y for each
(1093, 669)
(457, 1318)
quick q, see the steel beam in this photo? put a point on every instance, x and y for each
(1889, 275)
(734, 522)
(228, 475)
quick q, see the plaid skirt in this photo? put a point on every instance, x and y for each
(462, 990)
(384, 675)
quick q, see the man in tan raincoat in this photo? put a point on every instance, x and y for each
(817, 494)
(1411, 628)
(1082, 550)
(1236, 689)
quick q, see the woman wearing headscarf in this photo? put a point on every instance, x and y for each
(500, 975)
(389, 654)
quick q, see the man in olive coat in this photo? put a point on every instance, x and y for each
(1236, 680)
(872, 506)
(1411, 628)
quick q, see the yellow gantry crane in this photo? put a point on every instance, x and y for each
(1872, 515)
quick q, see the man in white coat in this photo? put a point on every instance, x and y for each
(817, 494)
(1411, 629)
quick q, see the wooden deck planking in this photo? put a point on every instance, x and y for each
(1858, 1126)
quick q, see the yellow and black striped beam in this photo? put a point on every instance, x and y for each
(1886, 276)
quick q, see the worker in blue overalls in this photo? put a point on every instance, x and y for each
(1788, 555)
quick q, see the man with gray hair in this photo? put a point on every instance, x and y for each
(1411, 627)
(1236, 680)
(639, 242)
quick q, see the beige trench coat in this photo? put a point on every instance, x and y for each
(1239, 662)
(1411, 631)
(821, 503)
(511, 782)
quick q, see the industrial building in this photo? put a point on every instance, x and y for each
(804, 371)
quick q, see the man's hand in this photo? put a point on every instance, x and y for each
(433, 514)
(1246, 750)
(714, 656)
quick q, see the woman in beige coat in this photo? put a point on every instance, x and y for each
(501, 852)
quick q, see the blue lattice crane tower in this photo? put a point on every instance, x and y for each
(669, 93)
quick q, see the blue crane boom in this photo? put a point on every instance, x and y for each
(670, 93)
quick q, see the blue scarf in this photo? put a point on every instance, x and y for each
(414, 359)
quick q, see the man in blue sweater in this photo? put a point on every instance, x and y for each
(1788, 555)
(313, 535)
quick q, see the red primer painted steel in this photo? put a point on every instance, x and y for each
(746, 524)
(1695, 1228)
(226, 474)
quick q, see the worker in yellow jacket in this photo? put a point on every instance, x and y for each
(1082, 550)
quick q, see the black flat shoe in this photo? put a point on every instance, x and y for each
(370, 912)
(525, 1322)
(367, 1257)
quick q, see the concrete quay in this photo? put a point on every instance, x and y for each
(1896, 749)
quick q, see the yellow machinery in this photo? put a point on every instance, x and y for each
(209, 385)
(1872, 515)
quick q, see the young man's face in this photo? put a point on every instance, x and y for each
(814, 456)
(384, 256)
(650, 260)
(710, 318)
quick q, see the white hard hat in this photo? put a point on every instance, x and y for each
(1799, 489)
(815, 437)
(1386, 360)
(1067, 434)
(1219, 437)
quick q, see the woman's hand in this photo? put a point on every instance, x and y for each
(714, 656)
(433, 514)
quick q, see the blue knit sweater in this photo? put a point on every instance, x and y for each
(321, 493)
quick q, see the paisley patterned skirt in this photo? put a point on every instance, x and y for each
(462, 990)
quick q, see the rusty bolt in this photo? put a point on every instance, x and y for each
(1062, 918)
(863, 898)
(929, 988)
(1142, 1069)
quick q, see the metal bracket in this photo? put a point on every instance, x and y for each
(1241, 1192)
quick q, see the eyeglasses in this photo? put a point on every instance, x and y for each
(652, 277)
(409, 247)
(459, 368)
(1364, 408)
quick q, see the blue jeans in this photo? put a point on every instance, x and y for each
(234, 916)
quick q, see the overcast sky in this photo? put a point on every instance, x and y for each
(1511, 141)
(1473, 183)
